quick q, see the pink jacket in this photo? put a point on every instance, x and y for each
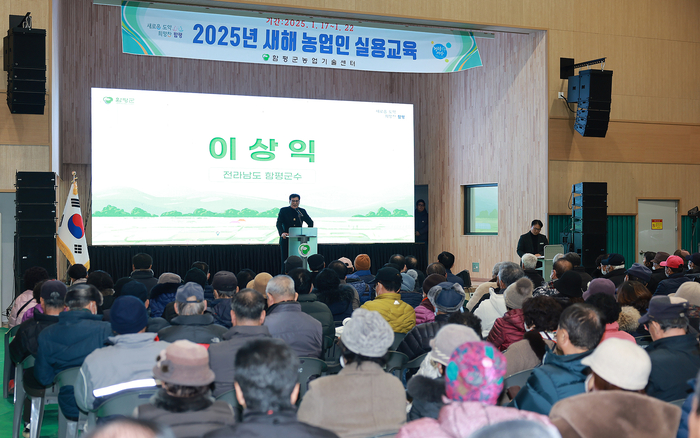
(423, 314)
(460, 419)
(613, 331)
(15, 318)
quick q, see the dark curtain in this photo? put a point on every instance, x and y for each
(116, 260)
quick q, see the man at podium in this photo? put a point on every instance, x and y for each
(288, 217)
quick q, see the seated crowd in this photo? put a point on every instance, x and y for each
(601, 354)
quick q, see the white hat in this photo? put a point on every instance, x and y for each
(621, 363)
(367, 333)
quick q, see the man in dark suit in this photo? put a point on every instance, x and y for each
(288, 217)
(533, 242)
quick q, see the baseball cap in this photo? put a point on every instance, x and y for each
(224, 281)
(660, 257)
(673, 262)
(387, 274)
(614, 260)
(665, 307)
(190, 290)
(640, 271)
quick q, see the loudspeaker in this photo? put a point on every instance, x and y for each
(589, 246)
(34, 251)
(596, 86)
(25, 63)
(590, 188)
(593, 90)
(590, 214)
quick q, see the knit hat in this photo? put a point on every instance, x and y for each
(367, 333)
(196, 275)
(327, 279)
(660, 257)
(135, 289)
(432, 280)
(475, 373)
(316, 262)
(259, 283)
(293, 262)
(516, 294)
(169, 277)
(51, 287)
(128, 315)
(184, 363)
(119, 284)
(413, 274)
(640, 271)
(621, 363)
(599, 286)
(448, 338)
(446, 297)
(190, 290)
(224, 281)
(362, 262)
(690, 290)
(348, 264)
(408, 283)
(569, 285)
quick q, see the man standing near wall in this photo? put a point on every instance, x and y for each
(533, 241)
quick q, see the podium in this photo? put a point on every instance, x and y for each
(302, 243)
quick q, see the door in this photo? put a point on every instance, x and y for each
(657, 225)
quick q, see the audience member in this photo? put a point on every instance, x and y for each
(560, 376)
(541, 315)
(658, 272)
(473, 383)
(599, 286)
(310, 303)
(247, 317)
(259, 283)
(517, 429)
(399, 261)
(693, 265)
(494, 306)
(614, 268)
(690, 291)
(447, 260)
(316, 264)
(484, 289)
(412, 263)
(408, 292)
(204, 267)
(638, 272)
(192, 323)
(575, 260)
(529, 264)
(436, 268)
(77, 274)
(225, 286)
(130, 427)
(348, 403)
(141, 270)
(673, 352)
(105, 284)
(286, 321)
(649, 259)
(510, 328)
(569, 288)
(690, 420)
(400, 316)
(633, 299)
(446, 298)
(267, 386)
(36, 295)
(675, 270)
(362, 265)
(128, 359)
(25, 300)
(293, 262)
(615, 404)
(184, 402)
(66, 343)
(341, 272)
(425, 392)
(339, 299)
(138, 290)
(610, 310)
(559, 267)
(425, 311)
(598, 273)
(245, 276)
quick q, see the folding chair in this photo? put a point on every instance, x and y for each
(120, 404)
(517, 379)
(7, 373)
(67, 428)
(395, 363)
(311, 368)
(398, 337)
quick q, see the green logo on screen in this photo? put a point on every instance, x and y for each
(304, 249)
(107, 100)
(266, 57)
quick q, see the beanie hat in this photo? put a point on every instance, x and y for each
(169, 277)
(196, 275)
(475, 373)
(327, 279)
(621, 363)
(184, 363)
(448, 338)
(569, 285)
(51, 287)
(119, 284)
(599, 286)
(224, 281)
(316, 262)
(135, 289)
(432, 280)
(362, 262)
(516, 294)
(413, 274)
(367, 333)
(408, 283)
(128, 315)
(447, 297)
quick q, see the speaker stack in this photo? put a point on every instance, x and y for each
(24, 51)
(589, 215)
(35, 216)
(592, 91)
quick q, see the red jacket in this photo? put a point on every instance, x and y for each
(508, 329)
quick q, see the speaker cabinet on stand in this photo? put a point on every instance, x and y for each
(589, 218)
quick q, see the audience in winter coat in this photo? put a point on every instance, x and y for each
(510, 328)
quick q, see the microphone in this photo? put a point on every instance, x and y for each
(301, 217)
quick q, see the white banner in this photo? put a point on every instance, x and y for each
(160, 30)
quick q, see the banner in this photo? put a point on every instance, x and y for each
(159, 30)
(71, 231)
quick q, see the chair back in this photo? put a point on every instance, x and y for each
(517, 380)
(311, 368)
(678, 402)
(395, 363)
(124, 402)
(7, 363)
(230, 398)
(398, 337)
(643, 341)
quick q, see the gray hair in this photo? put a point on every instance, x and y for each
(191, 308)
(280, 286)
(509, 273)
(557, 257)
(529, 261)
(496, 268)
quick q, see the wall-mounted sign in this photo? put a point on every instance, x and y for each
(657, 224)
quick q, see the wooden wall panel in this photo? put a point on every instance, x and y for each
(484, 125)
(27, 158)
(627, 182)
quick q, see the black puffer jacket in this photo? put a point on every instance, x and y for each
(26, 341)
(427, 397)
(338, 300)
(417, 341)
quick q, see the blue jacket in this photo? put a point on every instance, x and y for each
(677, 353)
(685, 411)
(366, 276)
(671, 284)
(161, 295)
(558, 378)
(64, 345)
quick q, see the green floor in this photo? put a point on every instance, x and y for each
(49, 428)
